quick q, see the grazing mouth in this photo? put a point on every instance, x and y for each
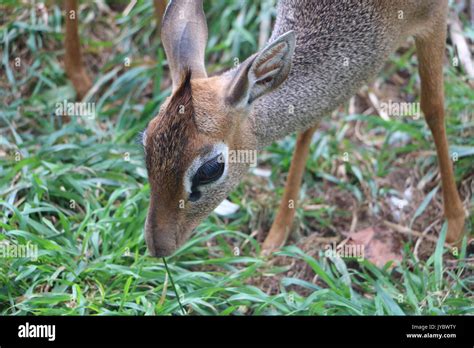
(157, 250)
(160, 252)
(157, 245)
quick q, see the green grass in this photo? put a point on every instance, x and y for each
(79, 192)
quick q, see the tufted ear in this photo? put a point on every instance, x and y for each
(262, 72)
(184, 36)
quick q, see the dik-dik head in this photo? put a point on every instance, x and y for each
(188, 145)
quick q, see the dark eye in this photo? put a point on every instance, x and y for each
(209, 171)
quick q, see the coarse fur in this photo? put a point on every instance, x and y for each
(340, 46)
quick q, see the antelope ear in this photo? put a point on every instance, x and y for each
(262, 72)
(184, 37)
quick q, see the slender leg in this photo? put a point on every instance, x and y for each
(73, 62)
(160, 7)
(284, 219)
(430, 51)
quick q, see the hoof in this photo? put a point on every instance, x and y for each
(455, 229)
(271, 245)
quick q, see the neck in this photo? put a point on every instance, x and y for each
(337, 50)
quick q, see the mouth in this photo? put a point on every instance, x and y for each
(161, 244)
(160, 247)
(160, 252)
(156, 249)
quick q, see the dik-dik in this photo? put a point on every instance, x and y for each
(319, 54)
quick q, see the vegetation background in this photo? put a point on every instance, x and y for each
(78, 190)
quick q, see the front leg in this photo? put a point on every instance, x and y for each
(282, 224)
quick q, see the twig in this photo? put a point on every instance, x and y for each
(376, 105)
(354, 220)
(129, 8)
(410, 232)
(418, 242)
(462, 48)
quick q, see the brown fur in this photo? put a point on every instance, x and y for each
(73, 62)
(168, 137)
(430, 51)
(160, 7)
(171, 132)
(327, 33)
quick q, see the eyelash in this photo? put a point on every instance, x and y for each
(139, 138)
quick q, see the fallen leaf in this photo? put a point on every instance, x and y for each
(377, 245)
